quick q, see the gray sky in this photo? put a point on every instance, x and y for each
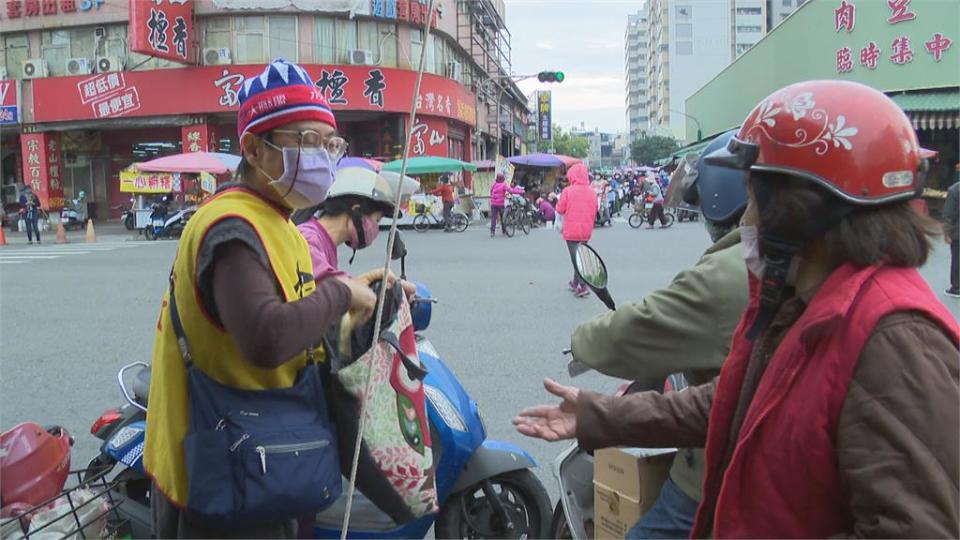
(585, 41)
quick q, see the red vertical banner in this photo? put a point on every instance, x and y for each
(214, 144)
(43, 167)
(163, 29)
(195, 138)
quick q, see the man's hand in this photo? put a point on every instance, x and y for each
(409, 289)
(551, 422)
(377, 275)
(362, 299)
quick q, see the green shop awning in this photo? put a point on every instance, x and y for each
(931, 109)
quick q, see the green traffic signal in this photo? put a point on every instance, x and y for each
(550, 76)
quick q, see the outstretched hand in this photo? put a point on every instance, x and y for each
(551, 422)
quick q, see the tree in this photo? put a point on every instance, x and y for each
(570, 145)
(650, 148)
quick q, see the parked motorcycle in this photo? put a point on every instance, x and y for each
(128, 216)
(166, 225)
(485, 487)
(74, 214)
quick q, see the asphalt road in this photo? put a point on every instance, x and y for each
(69, 320)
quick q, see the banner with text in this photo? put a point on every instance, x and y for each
(163, 29)
(214, 89)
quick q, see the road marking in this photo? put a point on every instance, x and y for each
(53, 251)
(8, 257)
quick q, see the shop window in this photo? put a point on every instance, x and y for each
(16, 49)
(346, 39)
(387, 44)
(416, 46)
(58, 45)
(282, 35)
(324, 44)
(253, 39)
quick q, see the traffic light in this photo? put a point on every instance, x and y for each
(550, 76)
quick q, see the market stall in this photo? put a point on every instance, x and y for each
(428, 170)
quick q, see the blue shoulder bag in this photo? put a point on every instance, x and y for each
(257, 456)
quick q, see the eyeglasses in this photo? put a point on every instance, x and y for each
(311, 140)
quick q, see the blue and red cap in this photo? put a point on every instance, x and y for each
(282, 94)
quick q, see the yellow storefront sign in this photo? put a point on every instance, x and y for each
(145, 182)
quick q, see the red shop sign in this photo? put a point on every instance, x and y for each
(42, 167)
(429, 137)
(163, 29)
(214, 89)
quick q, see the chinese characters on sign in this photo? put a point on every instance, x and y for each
(332, 85)
(845, 16)
(109, 95)
(938, 45)
(373, 88)
(144, 182)
(901, 50)
(230, 84)
(869, 55)
(34, 8)
(414, 11)
(900, 11)
(42, 167)
(163, 28)
(429, 137)
(196, 138)
(544, 120)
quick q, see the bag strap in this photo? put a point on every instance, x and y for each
(184, 345)
(178, 326)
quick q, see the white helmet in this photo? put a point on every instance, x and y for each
(379, 187)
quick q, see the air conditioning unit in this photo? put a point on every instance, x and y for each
(216, 56)
(34, 68)
(362, 57)
(109, 63)
(3, 72)
(79, 66)
(454, 70)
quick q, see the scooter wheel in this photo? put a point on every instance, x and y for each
(468, 514)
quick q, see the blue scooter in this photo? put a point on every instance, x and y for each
(485, 487)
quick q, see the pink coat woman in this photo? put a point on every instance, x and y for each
(578, 206)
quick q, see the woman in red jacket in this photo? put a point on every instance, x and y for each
(837, 411)
(578, 206)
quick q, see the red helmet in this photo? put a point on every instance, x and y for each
(34, 463)
(847, 137)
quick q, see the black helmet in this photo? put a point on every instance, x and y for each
(720, 192)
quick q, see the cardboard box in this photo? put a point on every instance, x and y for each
(626, 483)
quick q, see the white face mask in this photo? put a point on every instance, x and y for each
(306, 177)
(750, 237)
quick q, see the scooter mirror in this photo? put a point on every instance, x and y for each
(399, 249)
(593, 272)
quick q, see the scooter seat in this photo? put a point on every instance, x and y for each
(141, 385)
(364, 516)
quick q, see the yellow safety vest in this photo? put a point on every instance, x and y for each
(214, 351)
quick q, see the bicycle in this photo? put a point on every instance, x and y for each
(641, 215)
(424, 218)
(518, 215)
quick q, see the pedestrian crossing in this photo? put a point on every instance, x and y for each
(20, 254)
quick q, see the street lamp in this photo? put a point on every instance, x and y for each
(699, 130)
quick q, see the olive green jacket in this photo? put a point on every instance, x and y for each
(686, 327)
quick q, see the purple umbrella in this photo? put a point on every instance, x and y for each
(366, 163)
(543, 160)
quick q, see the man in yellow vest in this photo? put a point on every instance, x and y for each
(244, 288)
